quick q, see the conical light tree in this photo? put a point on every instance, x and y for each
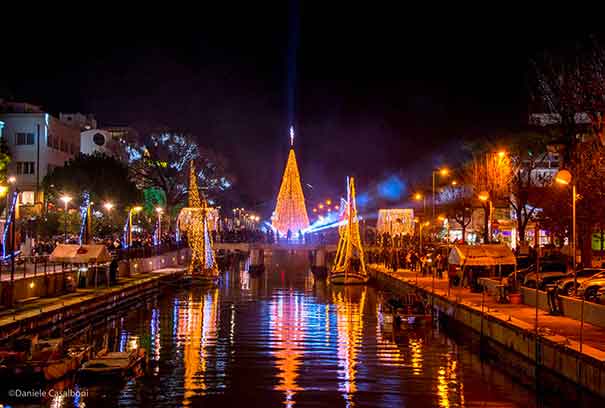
(290, 211)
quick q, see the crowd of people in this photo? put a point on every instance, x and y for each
(403, 252)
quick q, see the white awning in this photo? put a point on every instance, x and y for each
(77, 254)
(481, 255)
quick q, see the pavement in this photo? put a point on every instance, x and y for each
(33, 308)
(548, 325)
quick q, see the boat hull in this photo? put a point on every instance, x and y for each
(350, 278)
(201, 280)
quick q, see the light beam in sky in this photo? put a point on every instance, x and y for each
(291, 135)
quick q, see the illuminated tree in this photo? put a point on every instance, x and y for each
(457, 203)
(290, 210)
(489, 173)
(161, 161)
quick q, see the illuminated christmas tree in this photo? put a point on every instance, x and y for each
(290, 210)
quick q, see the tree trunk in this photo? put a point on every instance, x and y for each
(521, 227)
(586, 247)
(486, 223)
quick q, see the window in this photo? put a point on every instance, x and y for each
(27, 197)
(22, 138)
(25, 167)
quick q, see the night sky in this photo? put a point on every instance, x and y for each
(373, 91)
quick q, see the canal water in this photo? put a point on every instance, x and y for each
(285, 340)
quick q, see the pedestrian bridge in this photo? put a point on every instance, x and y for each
(282, 246)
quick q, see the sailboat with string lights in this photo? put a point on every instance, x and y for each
(194, 222)
(349, 265)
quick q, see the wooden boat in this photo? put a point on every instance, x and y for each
(348, 278)
(201, 280)
(349, 265)
(112, 364)
(408, 310)
(46, 360)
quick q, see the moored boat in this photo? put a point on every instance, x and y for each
(113, 364)
(45, 360)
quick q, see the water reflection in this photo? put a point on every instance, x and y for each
(283, 338)
(197, 332)
(349, 305)
(287, 330)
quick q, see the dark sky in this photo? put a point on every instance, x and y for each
(376, 90)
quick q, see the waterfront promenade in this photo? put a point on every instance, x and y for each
(524, 315)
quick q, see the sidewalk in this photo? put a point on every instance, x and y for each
(43, 305)
(593, 336)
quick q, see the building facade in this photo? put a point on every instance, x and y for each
(38, 142)
(100, 141)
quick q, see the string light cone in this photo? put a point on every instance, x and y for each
(290, 210)
(193, 220)
(349, 265)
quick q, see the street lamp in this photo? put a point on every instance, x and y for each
(108, 206)
(420, 225)
(419, 197)
(66, 199)
(133, 210)
(159, 211)
(442, 172)
(454, 183)
(484, 197)
(565, 178)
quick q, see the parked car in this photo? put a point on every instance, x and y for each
(546, 277)
(566, 285)
(544, 267)
(601, 296)
(590, 288)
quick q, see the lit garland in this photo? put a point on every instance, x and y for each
(290, 210)
(194, 220)
(125, 232)
(10, 218)
(349, 244)
(84, 214)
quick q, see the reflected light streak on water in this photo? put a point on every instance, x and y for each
(284, 339)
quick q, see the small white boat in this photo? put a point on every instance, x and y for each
(113, 364)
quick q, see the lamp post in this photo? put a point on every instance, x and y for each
(443, 172)
(133, 210)
(108, 207)
(484, 197)
(159, 211)
(565, 178)
(421, 197)
(66, 199)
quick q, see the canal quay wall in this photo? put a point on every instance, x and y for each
(513, 342)
(76, 308)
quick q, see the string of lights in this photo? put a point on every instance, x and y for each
(290, 210)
